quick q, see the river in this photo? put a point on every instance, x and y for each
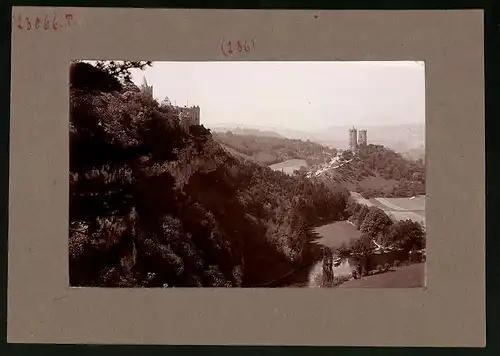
(329, 236)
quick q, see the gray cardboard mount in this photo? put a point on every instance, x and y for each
(450, 311)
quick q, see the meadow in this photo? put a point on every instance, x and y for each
(397, 208)
(412, 276)
(289, 166)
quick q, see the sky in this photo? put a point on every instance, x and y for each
(306, 96)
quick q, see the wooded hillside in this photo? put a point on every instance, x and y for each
(271, 150)
(377, 171)
(153, 206)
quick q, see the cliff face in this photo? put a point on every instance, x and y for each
(151, 205)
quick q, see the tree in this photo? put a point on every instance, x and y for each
(376, 222)
(86, 77)
(362, 245)
(347, 155)
(407, 234)
(166, 102)
(121, 69)
(361, 216)
(344, 250)
(350, 207)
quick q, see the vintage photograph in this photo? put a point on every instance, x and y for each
(247, 174)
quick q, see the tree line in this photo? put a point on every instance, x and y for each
(375, 224)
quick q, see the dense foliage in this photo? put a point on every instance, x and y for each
(121, 69)
(151, 205)
(268, 150)
(376, 225)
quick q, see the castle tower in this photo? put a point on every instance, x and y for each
(353, 139)
(196, 115)
(362, 138)
(184, 119)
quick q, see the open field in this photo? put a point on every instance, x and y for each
(289, 166)
(333, 235)
(406, 215)
(415, 204)
(360, 199)
(397, 208)
(412, 276)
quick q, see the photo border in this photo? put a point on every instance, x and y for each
(427, 126)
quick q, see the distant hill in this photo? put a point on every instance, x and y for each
(404, 138)
(268, 150)
(246, 131)
(415, 153)
(400, 138)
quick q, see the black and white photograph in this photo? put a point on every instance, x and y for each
(247, 174)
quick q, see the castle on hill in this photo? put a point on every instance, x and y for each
(188, 116)
(354, 141)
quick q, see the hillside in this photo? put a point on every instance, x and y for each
(268, 150)
(376, 171)
(153, 206)
(238, 130)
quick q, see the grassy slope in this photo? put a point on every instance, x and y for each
(412, 276)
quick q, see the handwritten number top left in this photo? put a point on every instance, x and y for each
(28, 23)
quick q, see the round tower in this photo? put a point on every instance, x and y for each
(353, 139)
(362, 138)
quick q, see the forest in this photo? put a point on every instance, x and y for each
(153, 206)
